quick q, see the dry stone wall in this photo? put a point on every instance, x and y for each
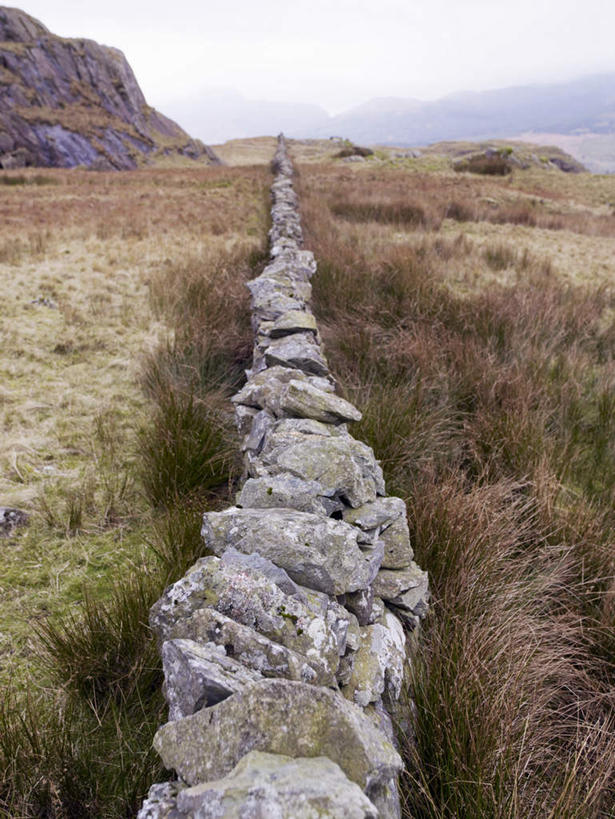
(285, 651)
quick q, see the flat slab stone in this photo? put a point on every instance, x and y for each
(271, 785)
(304, 400)
(197, 676)
(297, 351)
(295, 321)
(265, 600)
(250, 648)
(344, 467)
(407, 589)
(286, 491)
(316, 722)
(320, 553)
(263, 390)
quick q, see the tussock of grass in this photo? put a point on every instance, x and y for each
(80, 745)
(491, 407)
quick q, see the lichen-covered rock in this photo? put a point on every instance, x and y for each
(286, 491)
(317, 552)
(298, 351)
(161, 802)
(280, 717)
(199, 675)
(279, 283)
(295, 321)
(302, 399)
(254, 651)
(263, 390)
(406, 589)
(344, 467)
(272, 786)
(378, 666)
(307, 623)
(385, 518)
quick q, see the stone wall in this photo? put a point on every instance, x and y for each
(285, 651)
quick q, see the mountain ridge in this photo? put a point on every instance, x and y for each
(67, 102)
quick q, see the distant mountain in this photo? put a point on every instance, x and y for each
(66, 102)
(216, 115)
(581, 106)
(580, 113)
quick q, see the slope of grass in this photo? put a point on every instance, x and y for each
(487, 383)
(142, 471)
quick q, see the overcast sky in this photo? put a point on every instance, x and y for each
(338, 53)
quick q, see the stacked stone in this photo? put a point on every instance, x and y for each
(284, 651)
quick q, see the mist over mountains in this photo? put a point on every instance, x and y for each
(581, 109)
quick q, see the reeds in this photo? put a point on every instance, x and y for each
(492, 411)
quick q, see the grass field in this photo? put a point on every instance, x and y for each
(473, 321)
(117, 359)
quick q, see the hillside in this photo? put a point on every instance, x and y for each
(585, 105)
(67, 102)
(469, 317)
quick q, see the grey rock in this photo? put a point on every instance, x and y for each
(297, 351)
(286, 491)
(316, 722)
(11, 519)
(295, 321)
(385, 518)
(247, 646)
(244, 418)
(263, 390)
(233, 557)
(302, 399)
(344, 467)
(360, 603)
(378, 666)
(404, 588)
(398, 552)
(272, 786)
(197, 676)
(161, 802)
(261, 423)
(317, 552)
(252, 598)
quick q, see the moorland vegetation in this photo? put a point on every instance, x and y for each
(471, 318)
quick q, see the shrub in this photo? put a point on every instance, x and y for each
(495, 165)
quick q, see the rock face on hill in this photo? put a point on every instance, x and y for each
(67, 102)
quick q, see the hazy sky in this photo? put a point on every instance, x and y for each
(338, 53)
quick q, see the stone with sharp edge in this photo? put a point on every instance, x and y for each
(316, 722)
(320, 553)
(273, 786)
(302, 399)
(197, 676)
(261, 600)
(298, 352)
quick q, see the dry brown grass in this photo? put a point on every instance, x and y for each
(486, 379)
(96, 245)
(139, 271)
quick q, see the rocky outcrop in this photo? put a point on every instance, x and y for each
(283, 650)
(66, 102)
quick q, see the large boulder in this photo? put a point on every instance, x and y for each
(272, 786)
(320, 553)
(280, 717)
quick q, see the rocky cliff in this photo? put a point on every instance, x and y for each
(67, 102)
